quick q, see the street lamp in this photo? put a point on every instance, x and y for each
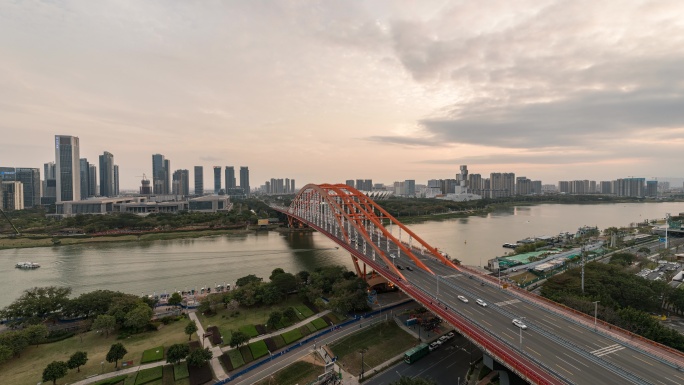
(437, 276)
(595, 312)
(362, 351)
(520, 329)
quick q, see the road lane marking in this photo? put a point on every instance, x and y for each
(642, 360)
(576, 360)
(576, 368)
(575, 329)
(671, 380)
(607, 350)
(569, 372)
(532, 350)
(509, 302)
(483, 321)
(508, 335)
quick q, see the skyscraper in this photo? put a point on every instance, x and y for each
(199, 180)
(92, 180)
(217, 179)
(244, 180)
(181, 182)
(116, 180)
(107, 181)
(30, 179)
(67, 168)
(230, 177)
(160, 174)
(85, 177)
(12, 195)
(49, 184)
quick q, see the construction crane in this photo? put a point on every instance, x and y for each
(10, 222)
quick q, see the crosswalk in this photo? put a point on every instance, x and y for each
(607, 350)
(509, 302)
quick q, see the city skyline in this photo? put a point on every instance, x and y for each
(324, 92)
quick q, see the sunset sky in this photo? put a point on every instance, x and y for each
(324, 91)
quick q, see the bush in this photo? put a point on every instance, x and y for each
(58, 336)
(246, 354)
(279, 341)
(258, 349)
(149, 375)
(270, 344)
(152, 355)
(291, 336)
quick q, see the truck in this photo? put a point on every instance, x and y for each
(416, 353)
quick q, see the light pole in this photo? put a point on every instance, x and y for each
(437, 276)
(595, 312)
(520, 329)
(362, 351)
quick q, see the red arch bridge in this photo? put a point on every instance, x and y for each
(558, 345)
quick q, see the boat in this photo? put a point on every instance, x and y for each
(510, 245)
(27, 265)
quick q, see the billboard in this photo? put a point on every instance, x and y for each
(262, 222)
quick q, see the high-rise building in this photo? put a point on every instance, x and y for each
(67, 168)
(350, 183)
(107, 179)
(116, 180)
(501, 184)
(244, 180)
(230, 178)
(181, 182)
(410, 188)
(30, 180)
(217, 179)
(92, 180)
(160, 174)
(49, 195)
(523, 186)
(85, 177)
(292, 186)
(145, 188)
(12, 197)
(199, 180)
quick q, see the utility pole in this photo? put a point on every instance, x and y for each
(582, 262)
(595, 312)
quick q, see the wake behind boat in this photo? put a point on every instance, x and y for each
(27, 265)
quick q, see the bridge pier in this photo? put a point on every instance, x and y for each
(506, 377)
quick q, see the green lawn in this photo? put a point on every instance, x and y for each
(152, 355)
(258, 349)
(28, 368)
(246, 354)
(279, 341)
(250, 330)
(319, 323)
(300, 372)
(113, 380)
(236, 358)
(291, 336)
(304, 310)
(383, 341)
(180, 371)
(311, 327)
(146, 376)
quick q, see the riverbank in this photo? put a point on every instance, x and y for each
(28, 241)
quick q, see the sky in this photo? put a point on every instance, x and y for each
(325, 91)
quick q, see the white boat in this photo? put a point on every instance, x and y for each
(27, 265)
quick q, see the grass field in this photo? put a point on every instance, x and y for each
(146, 376)
(304, 310)
(28, 369)
(250, 330)
(180, 371)
(279, 341)
(236, 358)
(319, 323)
(246, 354)
(300, 372)
(311, 327)
(291, 336)
(258, 349)
(113, 380)
(152, 355)
(383, 341)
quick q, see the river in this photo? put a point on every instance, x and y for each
(158, 266)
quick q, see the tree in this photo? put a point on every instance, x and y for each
(105, 323)
(412, 381)
(92, 304)
(77, 360)
(122, 305)
(36, 334)
(5, 353)
(276, 272)
(176, 353)
(116, 352)
(15, 340)
(175, 299)
(290, 314)
(238, 338)
(274, 319)
(139, 317)
(285, 282)
(248, 279)
(54, 371)
(37, 304)
(199, 357)
(190, 328)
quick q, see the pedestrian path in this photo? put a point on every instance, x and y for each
(216, 367)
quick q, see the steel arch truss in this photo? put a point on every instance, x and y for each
(351, 217)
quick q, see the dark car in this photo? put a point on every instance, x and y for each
(399, 267)
(409, 268)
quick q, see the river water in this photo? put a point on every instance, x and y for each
(159, 266)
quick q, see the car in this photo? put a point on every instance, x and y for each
(450, 335)
(399, 267)
(438, 342)
(409, 268)
(519, 324)
(514, 270)
(392, 256)
(463, 299)
(443, 339)
(481, 302)
(433, 346)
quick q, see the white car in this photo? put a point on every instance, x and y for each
(519, 324)
(438, 342)
(481, 302)
(443, 339)
(433, 346)
(463, 299)
(450, 335)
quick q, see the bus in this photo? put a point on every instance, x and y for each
(416, 353)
